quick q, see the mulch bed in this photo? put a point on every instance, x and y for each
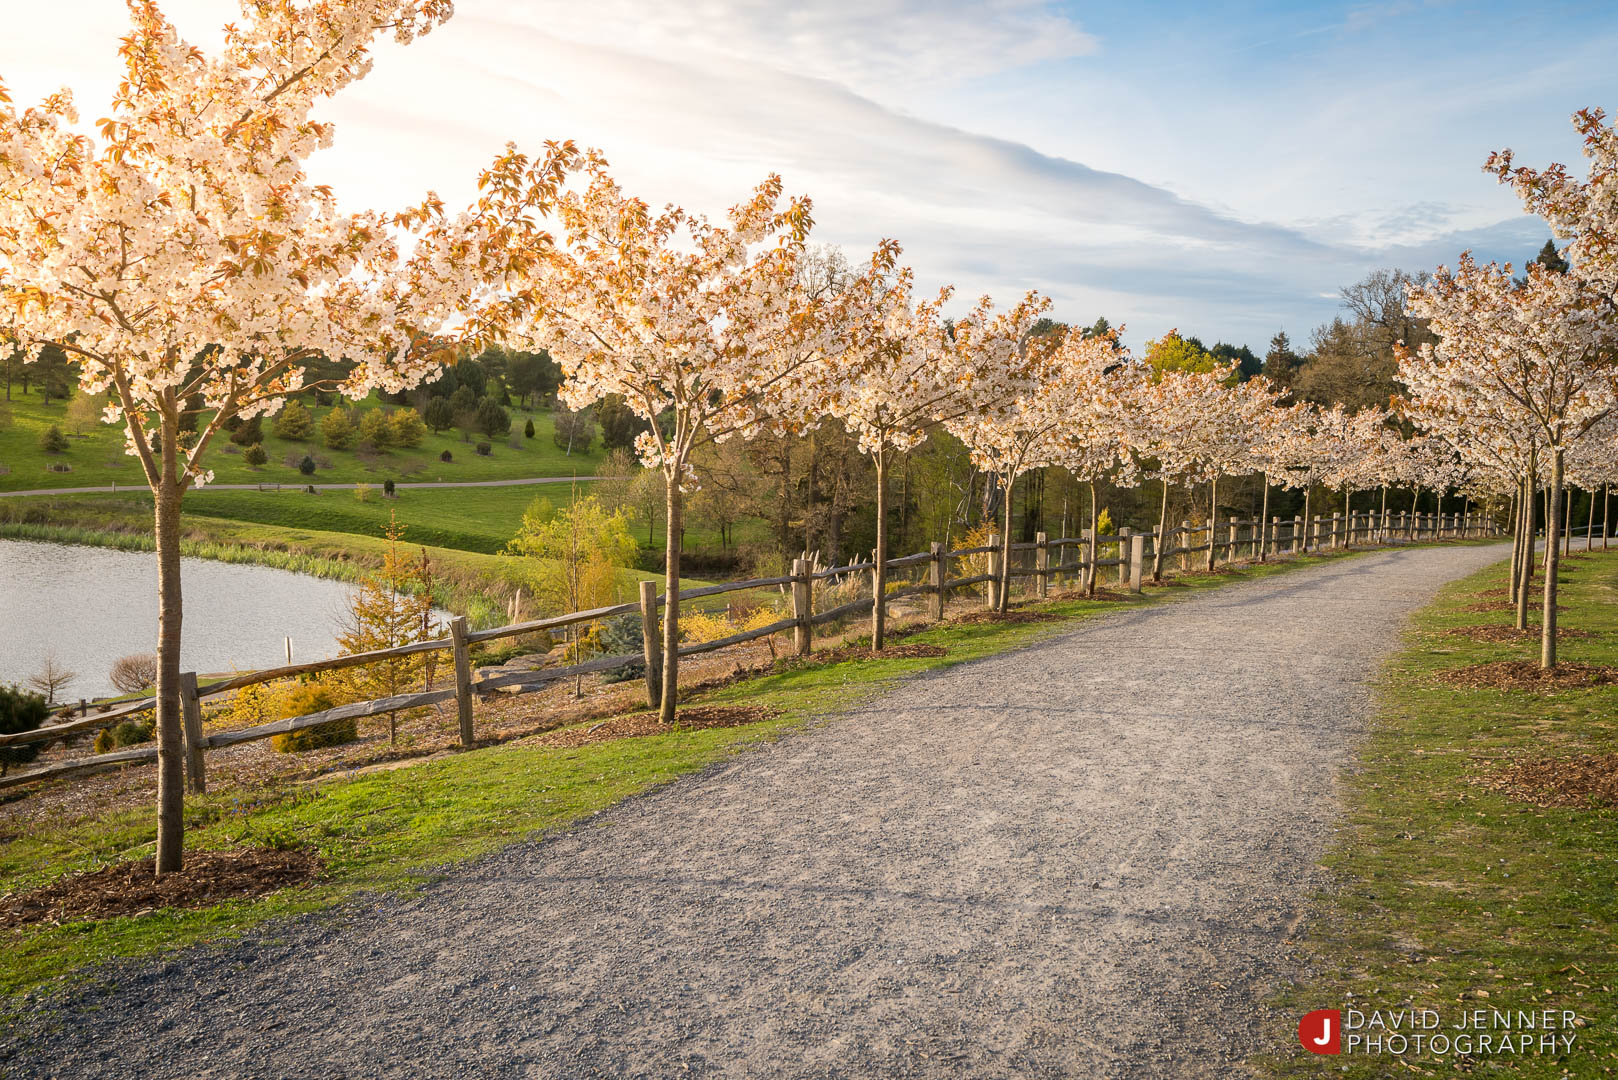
(1511, 633)
(131, 888)
(974, 618)
(695, 718)
(1488, 606)
(1072, 594)
(1581, 780)
(1526, 675)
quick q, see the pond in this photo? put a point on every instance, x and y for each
(92, 605)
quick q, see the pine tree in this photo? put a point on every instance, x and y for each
(392, 607)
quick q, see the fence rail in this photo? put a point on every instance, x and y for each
(1254, 536)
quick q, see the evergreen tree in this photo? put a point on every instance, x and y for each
(1551, 259)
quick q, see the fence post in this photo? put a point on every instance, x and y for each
(1272, 546)
(463, 677)
(1042, 563)
(196, 773)
(802, 597)
(1235, 531)
(1137, 556)
(1297, 534)
(994, 572)
(936, 570)
(1336, 524)
(651, 644)
(1185, 544)
(1125, 541)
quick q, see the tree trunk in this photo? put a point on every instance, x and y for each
(1415, 502)
(170, 751)
(1095, 549)
(671, 589)
(1526, 577)
(1516, 539)
(1606, 507)
(1162, 536)
(1264, 519)
(1553, 522)
(1590, 526)
(1005, 548)
(1308, 489)
(1382, 518)
(1213, 513)
(879, 576)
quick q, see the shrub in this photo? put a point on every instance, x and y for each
(528, 428)
(362, 492)
(446, 456)
(311, 490)
(132, 674)
(53, 441)
(131, 732)
(20, 711)
(440, 414)
(375, 429)
(387, 488)
(338, 429)
(405, 428)
(307, 465)
(619, 636)
(492, 418)
(484, 449)
(312, 697)
(255, 455)
(294, 421)
(250, 433)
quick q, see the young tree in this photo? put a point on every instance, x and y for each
(440, 414)
(52, 677)
(132, 674)
(685, 320)
(294, 422)
(392, 607)
(184, 253)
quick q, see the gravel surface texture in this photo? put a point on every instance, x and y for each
(1081, 859)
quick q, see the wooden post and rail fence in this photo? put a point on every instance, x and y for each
(1042, 559)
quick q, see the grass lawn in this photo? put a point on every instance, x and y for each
(1454, 895)
(96, 458)
(396, 829)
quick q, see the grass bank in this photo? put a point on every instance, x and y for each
(398, 829)
(95, 455)
(1463, 885)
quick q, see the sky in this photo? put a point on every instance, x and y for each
(1223, 169)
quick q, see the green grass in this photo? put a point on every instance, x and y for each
(395, 829)
(96, 455)
(1449, 890)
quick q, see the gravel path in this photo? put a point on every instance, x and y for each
(1080, 860)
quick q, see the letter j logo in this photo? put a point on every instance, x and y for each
(1321, 1032)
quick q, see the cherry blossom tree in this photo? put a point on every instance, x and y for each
(1539, 351)
(700, 327)
(182, 254)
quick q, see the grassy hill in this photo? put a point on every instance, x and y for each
(95, 455)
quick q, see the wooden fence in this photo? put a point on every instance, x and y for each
(1042, 560)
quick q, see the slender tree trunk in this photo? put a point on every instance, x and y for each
(1005, 547)
(1415, 502)
(1590, 526)
(170, 752)
(1547, 639)
(1526, 578)
(1213, 513)
(673, 511)
(1382, 518)
(1516, 538)
(1095, 548)
(1566, 497)
(1606, 507)
(1264, 519)
(1308, 489)
(879, 576)
(1162, 536)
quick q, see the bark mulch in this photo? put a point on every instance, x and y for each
(844, 653)
(695, 718)
(1506, 605)
(1527, 675)
(131, 888)
(1579, 780)
(1511, 633)
(1071, 594)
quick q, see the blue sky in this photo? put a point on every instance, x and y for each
(1220, 168)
